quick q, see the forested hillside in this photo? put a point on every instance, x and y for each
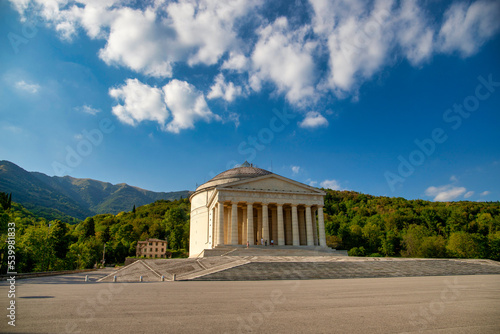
(43, 245)
(384, 226)
(71, 199)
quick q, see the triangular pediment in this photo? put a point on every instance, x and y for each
(272, 182)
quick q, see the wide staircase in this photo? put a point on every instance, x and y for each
(251, 267)
(259, 250)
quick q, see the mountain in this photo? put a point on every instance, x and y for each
(64, 197)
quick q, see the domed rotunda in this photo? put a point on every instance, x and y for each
(247, 204)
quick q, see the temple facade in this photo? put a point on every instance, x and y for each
(251, 205)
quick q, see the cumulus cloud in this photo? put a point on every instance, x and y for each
(485, 193)
(331, 184)
(225, 90)
(468, 26)
(140, 102)
(178, 102)
(31, 88)
(284, 56)
(187, 106)
(445, 193)
(136, 40)
(313, 120)
(295, 169)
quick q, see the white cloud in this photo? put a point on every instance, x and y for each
(485, 193)
(358, 39)
(187, 106)
(467, 27)
(284, 56)
(138, 41)
(236, 62)
(331, 184)
(88, 110)
(140, 103)
(27, 87)
(178, 102)
(453, 178)
(149, 40)
(445, 193)
(225, 90)
(295, 169)
(313, 120)
(468, 194)
(207, 26)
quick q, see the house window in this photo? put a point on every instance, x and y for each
(151, 244)
(156, 249)
(156, 255)
(151, 249)
(156, 243)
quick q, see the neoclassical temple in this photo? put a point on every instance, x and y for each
(250, 204)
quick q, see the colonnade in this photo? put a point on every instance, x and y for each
(284, 224)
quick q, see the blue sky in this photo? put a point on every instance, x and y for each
(386, 98)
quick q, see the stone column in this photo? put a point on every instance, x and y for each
(220, 224)
(287, 213)
(265, 223)
(295, 226)
(234, 224)
(259, 225)
(302, 226)
(250, 236)
(244, 222)
(274, 222)
(309, 227)
(281, 229)
(227, 225)
(315, 227)
(321, 226)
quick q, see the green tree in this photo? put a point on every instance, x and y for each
(412, 240)
(88, 227)
(175, 222)
(462, 244)
(59, 238)
(433, 246)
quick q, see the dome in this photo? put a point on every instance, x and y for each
(244, 171)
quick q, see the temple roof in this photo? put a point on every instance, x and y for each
(243, 171)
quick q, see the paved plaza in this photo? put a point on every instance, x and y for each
(431, 304)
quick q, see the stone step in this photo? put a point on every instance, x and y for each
(240, 250)
(254, 271)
